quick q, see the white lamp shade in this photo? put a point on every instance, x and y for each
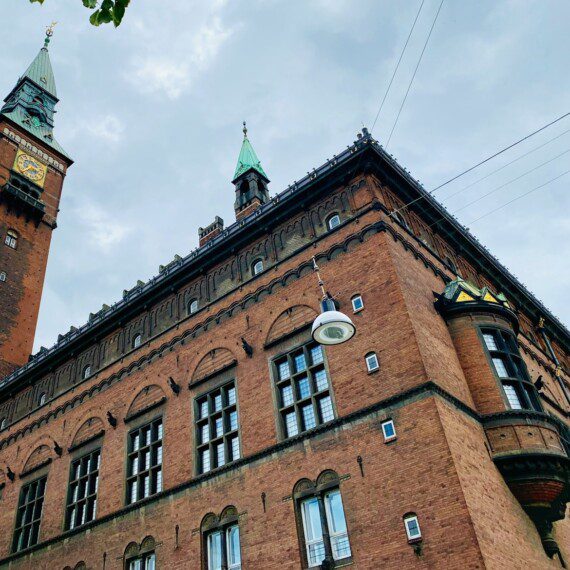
(332, 327)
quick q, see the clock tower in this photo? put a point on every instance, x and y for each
(32, 170)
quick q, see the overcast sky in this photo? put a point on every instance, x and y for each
(151, 113)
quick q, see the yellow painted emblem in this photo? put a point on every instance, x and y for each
(30, 167)
(490, 298)
(463, 296)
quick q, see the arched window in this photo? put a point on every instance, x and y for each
(333, 221)
(42, 399)
(221, 541)
(372, 362)
(192, 306)
(11, 239)
(3, 276)
(87, 372)
(318, 504)
(257, 267)
(4, 423)
(137, 341)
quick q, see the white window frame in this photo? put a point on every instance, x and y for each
(257, 267)
(372, 357)
(412, 537)
(357, 298)
(224, 534)
(137, 341)
(87, 372)
(388, 438)
(333, 221)
(193, 306)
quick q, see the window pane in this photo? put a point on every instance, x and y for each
(220, 454)
(490, 341)
(308, 417)
(500, 368)
(205, 433)
(303, 388)
(219, 427)
(233, 421)
(231, 396)
(337, 525)
(217, 402)
(204, 408)
(205, 460)
(150, 562)
(215, 551)
(512, 397)
(321, 380)
(234, 556)
(291, 427)
(235, 448)
(284, 371)
(300, 363)
(326, 408)
(317, 354)
(313, 531)
(286, 395)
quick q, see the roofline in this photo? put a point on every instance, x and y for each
(180, 271)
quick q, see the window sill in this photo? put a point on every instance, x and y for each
(390, 439)
(373, 371)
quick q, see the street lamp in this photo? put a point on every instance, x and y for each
(331, 326)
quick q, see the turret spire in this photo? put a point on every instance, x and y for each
(249, 179)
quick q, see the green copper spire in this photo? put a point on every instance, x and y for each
(247, 159)
(31, 104)
(40, 71)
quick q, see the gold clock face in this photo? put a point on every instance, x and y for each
(30, 167)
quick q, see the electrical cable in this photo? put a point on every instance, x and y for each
(505, 165)
(414, 74)
(503, 185)
(397, 66)
(423, 197)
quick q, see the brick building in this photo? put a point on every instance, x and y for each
(196, 424)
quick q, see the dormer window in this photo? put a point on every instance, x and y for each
(257, 267)
(333, 221)
(11, 239)
(137, 341)
(192, 306)
(87, 372)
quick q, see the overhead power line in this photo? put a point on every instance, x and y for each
(414, 74)
(519, 197)
(503, 150)
(505, 184)
(505, 165)
(397, 66)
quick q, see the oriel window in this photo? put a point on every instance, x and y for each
(144, 468)
(29, 515)
(509, 367)
(217, 428)
(303, 389)
(83, 487)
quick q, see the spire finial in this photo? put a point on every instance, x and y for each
(244, 130)
(49, 33)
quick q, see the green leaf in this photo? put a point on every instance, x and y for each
(94, 18)
(40, 1)
(91, 4)
(118, 13)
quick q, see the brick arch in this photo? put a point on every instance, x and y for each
(40, 455)
(148, 397)
(88, 429)
(290, 321)
(214, 361)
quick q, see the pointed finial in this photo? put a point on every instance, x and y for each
(244, 130)
(49, 33)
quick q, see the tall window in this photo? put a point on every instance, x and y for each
(303, 389)
(143, 562)
(333, 221)
(82, 493)
(323, 524)
(217, 428)
(221, 541)
(508, 365)
(144, 469)
(192, 306)
(11, 239)
(257, 267)
(29, 514)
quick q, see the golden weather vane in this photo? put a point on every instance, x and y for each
(49, 29)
